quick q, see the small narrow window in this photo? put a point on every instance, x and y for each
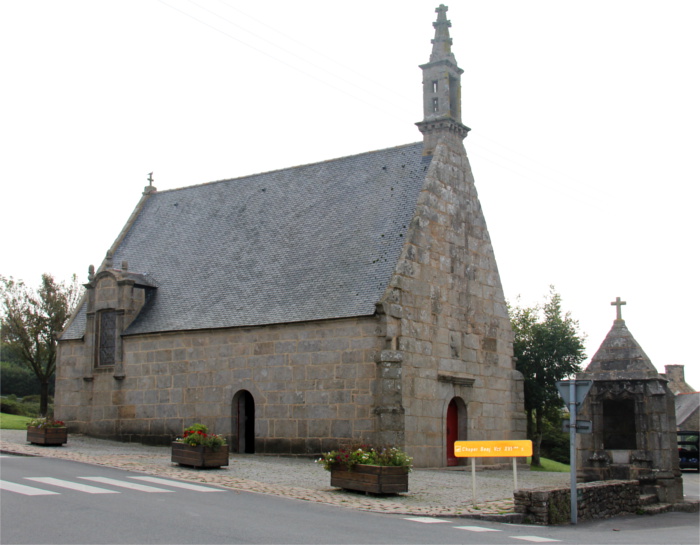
(107, 338)
(435, 86)
(454, 98)
(435, 105)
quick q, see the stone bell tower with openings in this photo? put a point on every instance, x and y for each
(442, 89)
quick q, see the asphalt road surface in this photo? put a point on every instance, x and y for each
(62, 502)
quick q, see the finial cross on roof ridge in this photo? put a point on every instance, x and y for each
(617, 303)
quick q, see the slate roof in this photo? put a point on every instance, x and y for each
(687, 411)
(312, 242)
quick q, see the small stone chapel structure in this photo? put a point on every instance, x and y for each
(353, 300)
(634, 420)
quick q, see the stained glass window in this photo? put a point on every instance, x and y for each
(107, 342)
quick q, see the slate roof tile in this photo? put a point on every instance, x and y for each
(312, 242)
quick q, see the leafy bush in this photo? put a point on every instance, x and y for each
(36, 398)
(10, 405)
(555, 443)
(18, 379)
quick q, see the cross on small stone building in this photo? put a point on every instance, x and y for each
(617, 303)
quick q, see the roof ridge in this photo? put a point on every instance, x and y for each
(160, 192)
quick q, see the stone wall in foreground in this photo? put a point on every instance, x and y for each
(596, 500)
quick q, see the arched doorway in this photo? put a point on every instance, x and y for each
(243, 423)
(455, 428)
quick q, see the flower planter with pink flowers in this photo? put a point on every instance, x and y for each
(46, 431)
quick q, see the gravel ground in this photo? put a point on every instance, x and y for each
(431, 491)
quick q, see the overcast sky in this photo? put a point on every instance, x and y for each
(585, 129)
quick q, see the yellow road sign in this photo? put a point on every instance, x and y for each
(492, 449)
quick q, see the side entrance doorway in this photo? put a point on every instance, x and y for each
(243, 423)
(456, 428)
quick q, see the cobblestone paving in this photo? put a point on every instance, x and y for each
(436, 492)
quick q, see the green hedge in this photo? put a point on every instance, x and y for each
(18, 379)
(25, 407)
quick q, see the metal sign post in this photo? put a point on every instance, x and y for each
(492, 449)
(574, 392)
(572, 450)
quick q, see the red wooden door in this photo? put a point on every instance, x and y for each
(451, 433)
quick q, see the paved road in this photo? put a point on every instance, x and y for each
(440, 492)
(83, 503)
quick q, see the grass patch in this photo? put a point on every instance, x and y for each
(13, 422)
(550, 465)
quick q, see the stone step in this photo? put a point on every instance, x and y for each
(648, 499)
(656, 508)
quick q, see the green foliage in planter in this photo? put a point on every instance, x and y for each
(365, 454)
(198, 434)
(46, 423)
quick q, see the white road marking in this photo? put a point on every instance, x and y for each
(125, 484)
(23, 489)
(72, 486)
(426, 520)
(477, 529)
(178, 484)
(535, 539)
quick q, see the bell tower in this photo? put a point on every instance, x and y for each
(442, 90)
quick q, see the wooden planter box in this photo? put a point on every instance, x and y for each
(199, 456)
(47, 436)
(373, 479)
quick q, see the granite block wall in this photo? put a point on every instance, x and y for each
(446, 314)
(312, 384)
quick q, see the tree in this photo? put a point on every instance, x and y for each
(32, 321)
(548, 348)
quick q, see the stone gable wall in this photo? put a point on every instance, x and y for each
(312, 384)
(446, 312)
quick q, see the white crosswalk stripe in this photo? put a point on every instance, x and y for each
(125, 484)
(89, 489)
(24, 489)
(535, 539)
(426, 520)
(71, 485)
(178, 484)
(532, 539)
(476, 529)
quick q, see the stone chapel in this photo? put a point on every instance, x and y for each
(633, 418)
(353, 300)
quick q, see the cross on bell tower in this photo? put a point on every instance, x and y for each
(442, 90)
